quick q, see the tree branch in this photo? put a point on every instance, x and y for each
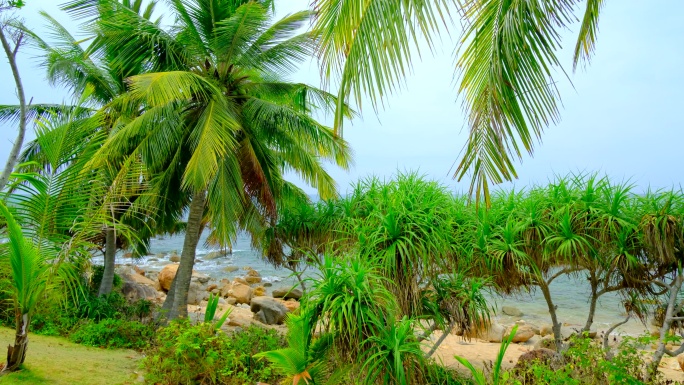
(19, 142)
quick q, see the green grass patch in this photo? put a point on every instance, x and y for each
(55, 360)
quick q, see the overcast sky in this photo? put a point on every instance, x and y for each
(622, 115)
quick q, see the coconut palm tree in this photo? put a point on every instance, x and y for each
(507, 58)
(220, 125)
(68, 64)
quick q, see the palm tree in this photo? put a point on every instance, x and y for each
(508, 54)
(220, 125)
(72, 66)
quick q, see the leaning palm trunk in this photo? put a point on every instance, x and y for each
(187, 262)
(109, 259)
(17, 353)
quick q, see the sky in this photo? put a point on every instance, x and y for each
(622, 115)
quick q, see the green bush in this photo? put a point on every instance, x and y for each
(585, 362)
(199, 354)
(96, 279)
(113, 333)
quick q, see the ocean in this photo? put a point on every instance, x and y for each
(571, 295)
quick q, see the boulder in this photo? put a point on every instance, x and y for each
(680, 361)
(128, 255)
(241, 292)
(225, 290)
(290, 304)
(268, 310)
(166, 276)
(134, 291)
(213, 255)
(259, 291)
(199, 277)
(230, 269)
(546, 330)
(252, 280)
(212, 287)
(511, 311)
(139, 270)
(196, 294)
(544, 356)
(494, 333)
(267, 284)
(174, 257)
(287, 293)
(137, 278)
(523, 334)
(240, 280)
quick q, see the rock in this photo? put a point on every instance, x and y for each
(494, 333)
(287, 293)
(544, 356)
(252, 280)
(512, 311)
(524, 333)
(241, 292)
(268, 310)
(239, 320)
(128, 255)
(134, 291)
(225, 290)
(212, 287)
(137, 278)
(267, 284)
(166, 276)
(196, 294)
(139, 270)
(290, 304)
(259, 291)
(680, 361)
(199, 277)
(230, 301)
(567, 332)
(547, 342)
(546, 330)
(153, 260)
(240, 280)
(230, 269)
(174, 257)
(213, 255)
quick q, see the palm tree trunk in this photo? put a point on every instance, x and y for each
(18, 143)
(441, 339)
(109, 259)
(179, 309)
(17, 353)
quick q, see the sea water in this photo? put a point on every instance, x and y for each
(570, 294)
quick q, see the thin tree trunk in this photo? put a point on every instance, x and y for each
(552, 311)
(109, 258)
(441, 339)
(607, 336)
(187, 262)
(592, 302)
(19, 142)
(17, 353)
(672, 308)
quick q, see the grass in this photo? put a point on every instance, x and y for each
(54, 360)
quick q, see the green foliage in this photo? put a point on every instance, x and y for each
(96, 279)
(210, 312)
(113, 305)
(192, 354)
(497, 375)
(585, 362)
(113, 333)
